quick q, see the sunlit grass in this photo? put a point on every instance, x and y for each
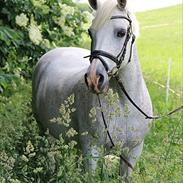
(160, 41)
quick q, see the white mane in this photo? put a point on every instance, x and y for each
(104, 12)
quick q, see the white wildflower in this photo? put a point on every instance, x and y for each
(21, 20)
(2, 180)
(85, 26)
(24, 158)
(29, 148)
(14, 181)
(35, 34)
(46, 43)
(92, 114)
(84, 133)
(38, 3)
(68, 31)
(112, 163)
(38, 170)
(71, 132)
(60, 21)
(72, 144)
(88, 16)
(66, 10)
(31, 155)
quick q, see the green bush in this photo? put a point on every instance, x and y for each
(30, 28)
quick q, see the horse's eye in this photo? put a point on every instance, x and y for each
(121, 33)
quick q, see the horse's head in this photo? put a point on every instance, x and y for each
(112, 38)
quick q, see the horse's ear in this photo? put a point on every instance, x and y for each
(121, 4)
(93, 4)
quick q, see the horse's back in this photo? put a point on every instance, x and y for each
(54, 79)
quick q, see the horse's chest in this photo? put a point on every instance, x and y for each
(128, 131)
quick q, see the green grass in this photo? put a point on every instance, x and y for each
(161, 39)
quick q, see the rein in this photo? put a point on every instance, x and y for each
(139, 109)
(122, 156)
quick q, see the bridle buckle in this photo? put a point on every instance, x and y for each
(113, 72)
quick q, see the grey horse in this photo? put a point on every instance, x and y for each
(64, 71)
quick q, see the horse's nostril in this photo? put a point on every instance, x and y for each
(86, 81)
(101, 80)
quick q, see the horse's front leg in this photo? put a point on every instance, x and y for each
(91, 156)
(134, 154)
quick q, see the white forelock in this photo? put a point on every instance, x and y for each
(104, 13)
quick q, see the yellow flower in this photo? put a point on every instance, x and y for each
(35, 34)
(21, 20)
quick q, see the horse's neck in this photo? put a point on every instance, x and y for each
(131, 76)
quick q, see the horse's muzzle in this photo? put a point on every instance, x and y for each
(96, 78)
(96, 86)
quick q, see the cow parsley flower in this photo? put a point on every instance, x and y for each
(68, 31)
(29, 148)
(35, 34)
(46, 43)
(71, 132)
(24, 158)
(88, 16)
(60, 21)
(66, 10)
(21, 20)
(38, 3)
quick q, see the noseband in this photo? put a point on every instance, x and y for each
(121, 56)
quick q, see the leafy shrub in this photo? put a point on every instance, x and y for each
(30, 28)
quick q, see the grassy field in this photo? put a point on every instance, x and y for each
(161, 161)
(160, 40)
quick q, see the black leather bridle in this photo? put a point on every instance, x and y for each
(99, 54)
